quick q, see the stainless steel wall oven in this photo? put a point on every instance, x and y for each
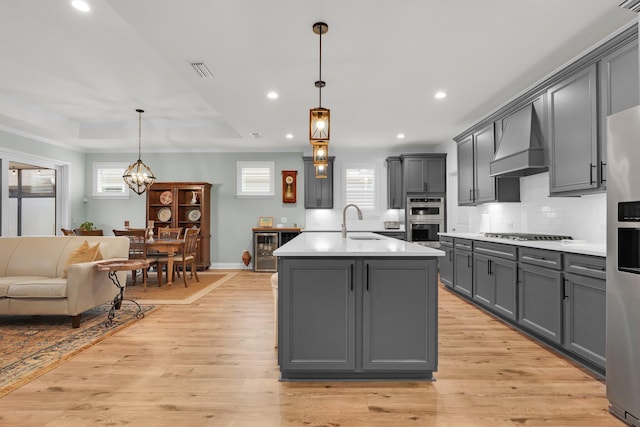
(425, 219)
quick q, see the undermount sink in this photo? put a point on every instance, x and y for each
(363, 238)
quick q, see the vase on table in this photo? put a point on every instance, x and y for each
(246, 258)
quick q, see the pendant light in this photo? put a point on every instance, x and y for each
(138, 176)
(319, 117)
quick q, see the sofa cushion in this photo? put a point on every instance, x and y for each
(83, 253)
(37, 287)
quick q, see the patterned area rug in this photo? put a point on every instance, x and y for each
(33, 345)
(176, 293)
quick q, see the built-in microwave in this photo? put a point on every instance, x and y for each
(421, 208)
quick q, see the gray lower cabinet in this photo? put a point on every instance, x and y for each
(395, 196)
(495, 275)
(424, 173)
(463, 267)
(400, 235)
(573, 136)
(585, 307)
(446, 261)
(318, 192)
(540, 293)
(357, 317)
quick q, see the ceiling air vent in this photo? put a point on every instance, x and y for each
(633, 5)
(202, 70)
(255, 135)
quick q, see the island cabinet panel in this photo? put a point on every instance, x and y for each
(318, 315)
(398, 332)
(357, 317)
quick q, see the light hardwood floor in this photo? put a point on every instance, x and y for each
(213, 363)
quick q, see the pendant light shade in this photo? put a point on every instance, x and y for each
(321, 171)
(138, 175)
(321, 153)
(319, 118)
(319, 124)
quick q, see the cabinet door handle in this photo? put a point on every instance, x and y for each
(351, 266)
(471, 195)
(469, 260)
(602, 165)
(367, 277)
(591, 168)
(564, 289)
(450, 256)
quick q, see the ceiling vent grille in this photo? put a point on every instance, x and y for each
(633, 5)
(202, 70)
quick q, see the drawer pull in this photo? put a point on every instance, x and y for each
(582, 267)
(539, 259)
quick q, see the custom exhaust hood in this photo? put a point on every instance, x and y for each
(520, 151)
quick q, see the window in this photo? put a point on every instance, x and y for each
(255, 179)
(359, 186)
(108, 181)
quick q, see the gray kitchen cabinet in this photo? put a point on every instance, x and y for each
(466, 172)
(395, 196)
(463, 267)
(318, 192)
(446, 261)
(390, 341)
(400, 235)
(424, 173)
(357, 317)
(573, 133)
(585, 307)
(319, 315)
(540, 293)
(495, 277)
(619, 90)
(475, 185)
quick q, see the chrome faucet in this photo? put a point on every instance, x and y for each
(344, 218)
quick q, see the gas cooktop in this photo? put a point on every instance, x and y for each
(527, 236)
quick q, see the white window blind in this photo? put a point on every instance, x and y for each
(360, 187)
(255, 179)
(108, 181)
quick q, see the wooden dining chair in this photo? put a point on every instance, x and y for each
(67, 232)
(186, 256)
(169, 232)
(138, 250)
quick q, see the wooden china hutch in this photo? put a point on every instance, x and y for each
(186, 205)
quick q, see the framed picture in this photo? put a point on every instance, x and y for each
(289, 186)
(265, 221)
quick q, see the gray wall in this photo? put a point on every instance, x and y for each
(231, 218)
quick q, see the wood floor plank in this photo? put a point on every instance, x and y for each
(213, 363)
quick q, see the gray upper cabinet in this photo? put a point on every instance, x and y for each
(619, 81)
(475, 185)
(318, 192)
(573, 135)
(466, 172)
(424, 173)
(395, 197)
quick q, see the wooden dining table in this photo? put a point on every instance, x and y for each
(168, 246)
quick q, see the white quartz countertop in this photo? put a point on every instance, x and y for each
(572, 246)
(370, 229)
(325, 244)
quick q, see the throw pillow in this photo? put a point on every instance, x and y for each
(83, 253)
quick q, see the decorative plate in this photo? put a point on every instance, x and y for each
(194, 215)
(164, 214)
(166, 198)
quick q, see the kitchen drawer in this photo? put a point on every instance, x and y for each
(540, 257)
(585, 265)
(446, 241)
(496, 250)
(464, 244)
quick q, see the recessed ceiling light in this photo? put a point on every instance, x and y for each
(400, 136)
(81, 5)
(272, 95)
(440, 95)
(199, 109)
(289, 136)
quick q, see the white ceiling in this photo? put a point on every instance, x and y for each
(75, 79)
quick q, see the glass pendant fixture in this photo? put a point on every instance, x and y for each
(138, 175)
(320, 153)
(321, 171)
(319, 125)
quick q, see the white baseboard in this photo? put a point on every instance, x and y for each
(230, 266)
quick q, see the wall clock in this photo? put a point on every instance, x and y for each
(289, 186)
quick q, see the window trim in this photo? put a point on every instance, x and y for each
(376, 184)
(241, 165)
(124, 194)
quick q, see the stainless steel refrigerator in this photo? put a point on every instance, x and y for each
(623, 265)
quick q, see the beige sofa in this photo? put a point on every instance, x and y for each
(32, 275)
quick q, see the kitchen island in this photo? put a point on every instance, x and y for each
(362, 307)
